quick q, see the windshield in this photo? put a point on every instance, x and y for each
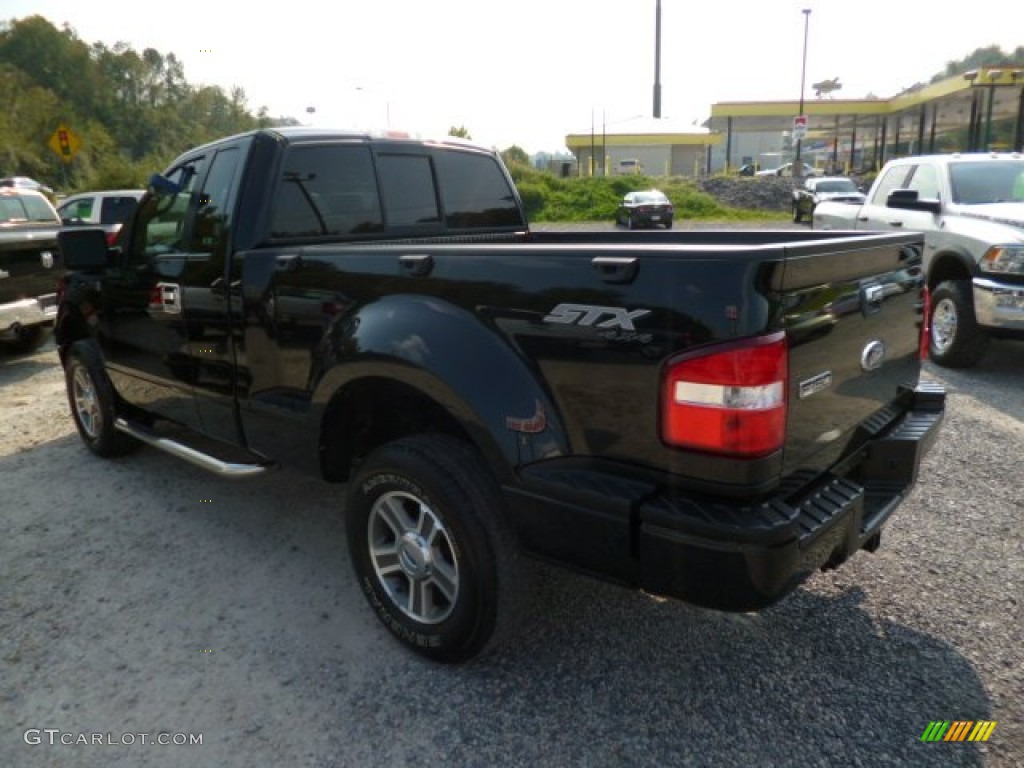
(839, 185)
(651, 197)
(991, 182)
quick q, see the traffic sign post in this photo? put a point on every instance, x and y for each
(64, 143)
(800, 127)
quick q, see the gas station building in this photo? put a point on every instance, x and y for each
(980, 110)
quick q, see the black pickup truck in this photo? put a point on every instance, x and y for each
(709, 415)
(29, 260)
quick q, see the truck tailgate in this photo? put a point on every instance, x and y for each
(853, 319)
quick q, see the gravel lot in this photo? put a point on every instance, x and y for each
(143, 596)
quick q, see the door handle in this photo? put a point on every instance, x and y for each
(416, 264)
(220, 287)
(895, 223)
(862, 218)
(616, 269)
(288, 262)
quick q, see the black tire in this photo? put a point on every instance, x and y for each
(631, 222)
(798, 215)
(668, 224)
(27, 339)
(956, 339)
(443, 572)
(93, 402)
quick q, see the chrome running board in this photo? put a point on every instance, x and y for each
(191, 455)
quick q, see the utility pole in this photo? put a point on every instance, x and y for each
(797, 165)
(657, 60)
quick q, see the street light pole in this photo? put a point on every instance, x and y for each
(803, 77)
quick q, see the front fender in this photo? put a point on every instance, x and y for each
(455, 359)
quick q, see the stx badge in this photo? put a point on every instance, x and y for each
(589, 315)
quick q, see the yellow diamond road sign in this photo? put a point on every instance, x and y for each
(64, 143)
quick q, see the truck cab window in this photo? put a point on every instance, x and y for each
(161, 223)
(326, 190)
(213, 214)
(926, 181)
(475, 192)
(894, 178)
(407, 185)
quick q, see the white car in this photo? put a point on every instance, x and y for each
(107, 210)
(787, 170)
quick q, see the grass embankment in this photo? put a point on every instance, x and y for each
(550, 198)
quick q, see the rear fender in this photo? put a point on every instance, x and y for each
(450, 356)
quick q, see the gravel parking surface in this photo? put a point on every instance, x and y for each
(143, 596)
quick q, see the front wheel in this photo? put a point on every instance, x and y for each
(956, 339)
(93, 403)
(431, 548)
(797, 214)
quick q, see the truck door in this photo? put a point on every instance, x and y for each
(142, 331)
(211, 299)
(924, 178)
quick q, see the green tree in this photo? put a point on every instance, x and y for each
(460, 132)
(515, 155)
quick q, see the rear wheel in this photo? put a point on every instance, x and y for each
(797, 214)
(93, 403)
(431, 548)
(956, 339)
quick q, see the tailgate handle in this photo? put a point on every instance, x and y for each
(416, 264)
(616, 269)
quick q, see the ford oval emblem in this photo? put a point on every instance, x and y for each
(872, 356)
(47, 258)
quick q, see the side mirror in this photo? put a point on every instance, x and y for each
(163, 186)
(909, 200)
(83, 249)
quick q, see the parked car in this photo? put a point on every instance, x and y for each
(105, 210)
(838, 189)
(29, 261)
(24, 182)
(787, 170)
(645, 209)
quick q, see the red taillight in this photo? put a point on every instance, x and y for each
(112, 235)
(926, 325)
(729, 398)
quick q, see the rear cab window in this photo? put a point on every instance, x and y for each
(359, 189)
(475, 193)
(116, 209)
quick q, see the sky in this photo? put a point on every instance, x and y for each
(529, 72)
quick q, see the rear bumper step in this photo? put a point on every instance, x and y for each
(728, 555)
(210, 463)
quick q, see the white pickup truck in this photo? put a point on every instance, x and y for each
(970, 208)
